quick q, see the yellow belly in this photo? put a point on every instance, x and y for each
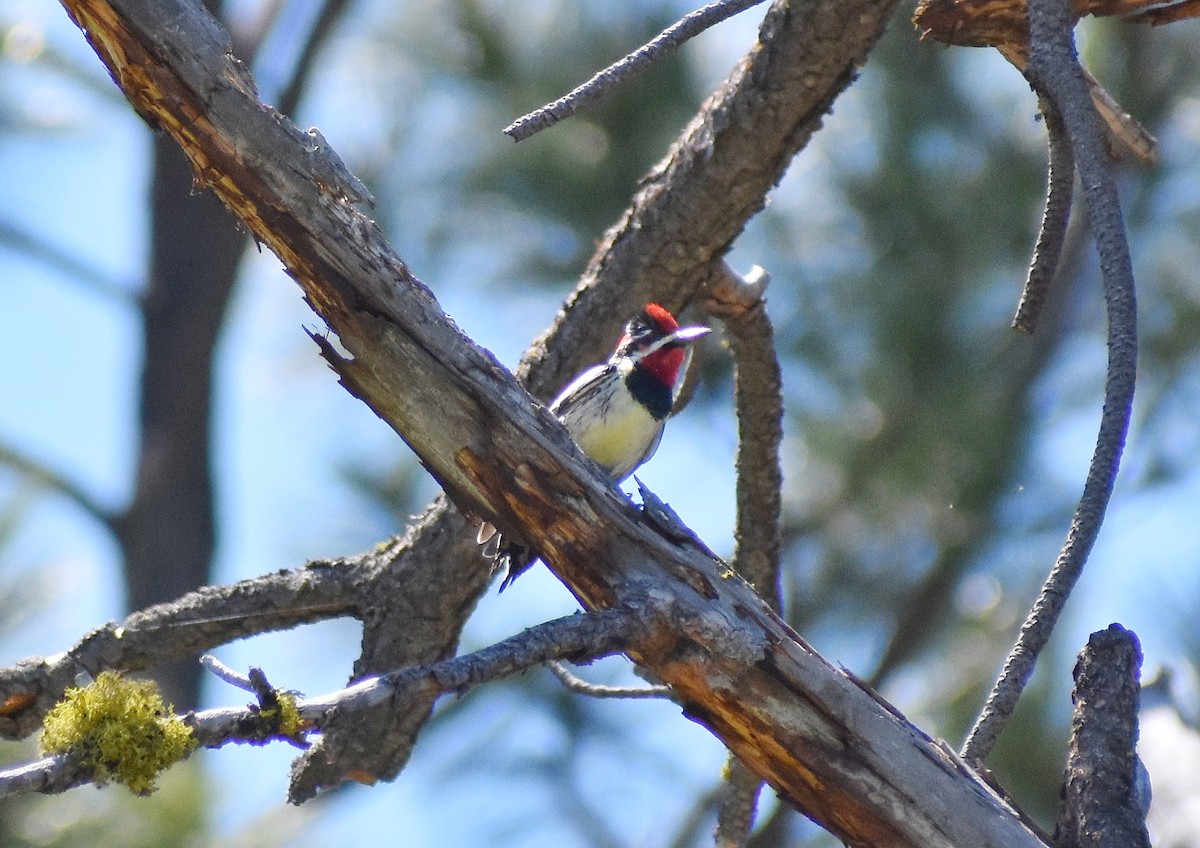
(621, 441)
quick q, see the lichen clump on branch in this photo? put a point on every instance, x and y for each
(119, 729)
(283, 715)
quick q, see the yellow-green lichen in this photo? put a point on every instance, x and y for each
(119, 729)
(284, 715)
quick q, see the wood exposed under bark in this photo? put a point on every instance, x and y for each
(685, 215)
(987, 23)
(1004, 24)
(828, 745)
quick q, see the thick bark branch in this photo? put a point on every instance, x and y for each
(716, 177)
(1104, 805)
(828, 745)
(712, 181)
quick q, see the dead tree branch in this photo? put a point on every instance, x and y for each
(1052, 235)
(1103, 806)
(597, 690)
(196, 622)
(662, 45)
(1054, 67)
(740, 302)
(826, 744)
(578, 637)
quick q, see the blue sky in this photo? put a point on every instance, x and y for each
(285, 430)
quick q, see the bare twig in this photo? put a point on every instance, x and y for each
(225, 673)
(1054, 66)
(1060, 185)
(596, 690)
(576, 637)
(663, 44)
(737, 806)
(45, 476)
(72, 268)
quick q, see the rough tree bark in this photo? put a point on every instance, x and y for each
(828, 745)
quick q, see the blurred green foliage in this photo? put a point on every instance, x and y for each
(925, 497)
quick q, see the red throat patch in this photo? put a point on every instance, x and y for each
(664, 364)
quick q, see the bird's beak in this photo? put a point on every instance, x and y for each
(684, 336)
(687, 334)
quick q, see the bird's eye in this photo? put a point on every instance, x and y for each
(637, 329)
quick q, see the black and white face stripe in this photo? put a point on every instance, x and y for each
(644, 337)
(681, 336)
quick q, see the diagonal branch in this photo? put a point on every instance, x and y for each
(829, 746)
(580, 638)
(1054, 67)
(662, 45)
(43, 475)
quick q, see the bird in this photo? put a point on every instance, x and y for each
(616, 410)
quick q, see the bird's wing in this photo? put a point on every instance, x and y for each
(578, 389)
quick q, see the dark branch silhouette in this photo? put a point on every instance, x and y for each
(1060, 183)
(1054, 67)
(43, 475)
(663, 44)
(1105, 799)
